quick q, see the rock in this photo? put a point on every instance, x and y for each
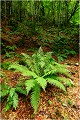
(76, 64)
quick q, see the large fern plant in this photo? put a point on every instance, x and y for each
(42, 69)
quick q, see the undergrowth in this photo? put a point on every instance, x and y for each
(42, 69)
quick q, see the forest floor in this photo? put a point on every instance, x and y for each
(54, 104)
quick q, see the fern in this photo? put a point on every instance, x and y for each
(22, 69)
(67, 82)
(42, 82)
(15, 100)
(4, 90)
(35, 96)
(11, 94)
(8, 103)
(19, 89)
(12, 91)
(29, 85)
(56, 83)
(42, 69)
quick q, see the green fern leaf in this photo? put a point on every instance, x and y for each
(4, 93)
(42, 82)
(29, 85)
(29, 73)
(35, 97)
(9, 103)
(22, 69)
(20, 90)
(56, 83)
(62, 70)
(26, 55)
(66, 81)
(40, 51)
(4, 90)
(15, 100)
(42, 64)
(12, 91)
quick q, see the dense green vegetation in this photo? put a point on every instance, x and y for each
(32, 25)
(54, 23)
(42, 69)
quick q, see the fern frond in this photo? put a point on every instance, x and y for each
(4, 90)
(29, 85)
(66, 81)
(49, 70)
(20, 90)
(26, 55)
(15, 100)
(35, 96)
(61, 69)
(9, 103)
(42, 82)
(22, 69)
(40, 51)
(3, 93)
(56, 83)
(64, 72)
(28, 60)
(12, 91)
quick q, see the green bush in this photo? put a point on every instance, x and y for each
(42, 69)
(63, 47)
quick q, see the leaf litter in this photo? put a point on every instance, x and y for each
(53, 105)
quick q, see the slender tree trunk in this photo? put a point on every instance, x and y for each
(20, 10)
(9, 9)
(59, 13)
(5, 11)
(32, 10)
(66, 12)
(53, 12)
(2, 9)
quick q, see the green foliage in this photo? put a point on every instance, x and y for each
(21, 42)
(63, 47)
(11, 93)
(6, 49)
(50, 102)
(35, 97)
(12, 48)
(5, 65)
(10, 55)
(42, 69)
(69, 102)
(7, 55)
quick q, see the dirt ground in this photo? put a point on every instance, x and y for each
(54, 104)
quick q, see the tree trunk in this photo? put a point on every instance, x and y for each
(59, 13)
(66, 12)
(53, 12)
(5, 11)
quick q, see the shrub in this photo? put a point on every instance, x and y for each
(42, 69)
